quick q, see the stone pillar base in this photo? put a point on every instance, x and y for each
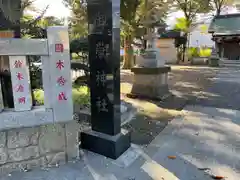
(150, 83)
(106, 145)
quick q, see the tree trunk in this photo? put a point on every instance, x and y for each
(179, 55)
(185, 46)
(218, 12)
(128, 53)
(184, 51)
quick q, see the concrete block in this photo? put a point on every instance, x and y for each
(20, 166)
(3, 139)
(72, 133)
(52, 138)
(3, 156)
(21, 154)
(22, 137)
(56, 158)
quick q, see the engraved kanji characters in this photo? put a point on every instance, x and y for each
(18, 64)
(59, 48)
(20, 76)
(60, 64)
(61, 81)
(22, 100)
(102, 50)
(101, 104)
(19, 88)
(101, 78)
(62, 96)
(100, 20)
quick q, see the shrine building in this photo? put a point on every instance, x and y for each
(225, 30)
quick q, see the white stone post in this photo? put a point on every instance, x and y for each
(59, 68)
(1, 94)
(160, 60)
(1, 99)
(22, 96)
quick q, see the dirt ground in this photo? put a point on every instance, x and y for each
(186, 83)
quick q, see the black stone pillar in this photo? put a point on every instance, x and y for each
(106, 136)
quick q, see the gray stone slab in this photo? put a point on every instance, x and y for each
(37, 116)
(17, 47)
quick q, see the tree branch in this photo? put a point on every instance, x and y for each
(37, 19)
(221, 3)
(216, 2)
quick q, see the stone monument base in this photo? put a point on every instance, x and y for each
(24, 149)
(150, 83)
(106, 145)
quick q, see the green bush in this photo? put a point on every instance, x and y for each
(192, 52)
(39, 96)
(198, 52)
(205, 52)
(80, 95)
(75, 56)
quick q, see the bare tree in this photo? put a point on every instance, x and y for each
(11, 12)
(218, 5)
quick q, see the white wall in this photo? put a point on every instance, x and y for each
(198, 39)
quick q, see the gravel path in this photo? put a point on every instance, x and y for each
(224, 91)
(187, 82)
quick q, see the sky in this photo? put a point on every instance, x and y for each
(56, 8)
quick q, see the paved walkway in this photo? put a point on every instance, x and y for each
(203, 139)
(224, 91)
(208, 138)
(204, 142)
(138, 163)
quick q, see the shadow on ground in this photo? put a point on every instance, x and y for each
(210, 139)
(206, 86)
(214, 137)
(149, 121)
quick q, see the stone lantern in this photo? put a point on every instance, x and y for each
(150, 73)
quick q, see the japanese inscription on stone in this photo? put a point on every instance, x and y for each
(101, 78)
(102, 59)
(60, 80)
(100, 21)
(99, 72)
(20, 83)
(102, 50)
(60, 72)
